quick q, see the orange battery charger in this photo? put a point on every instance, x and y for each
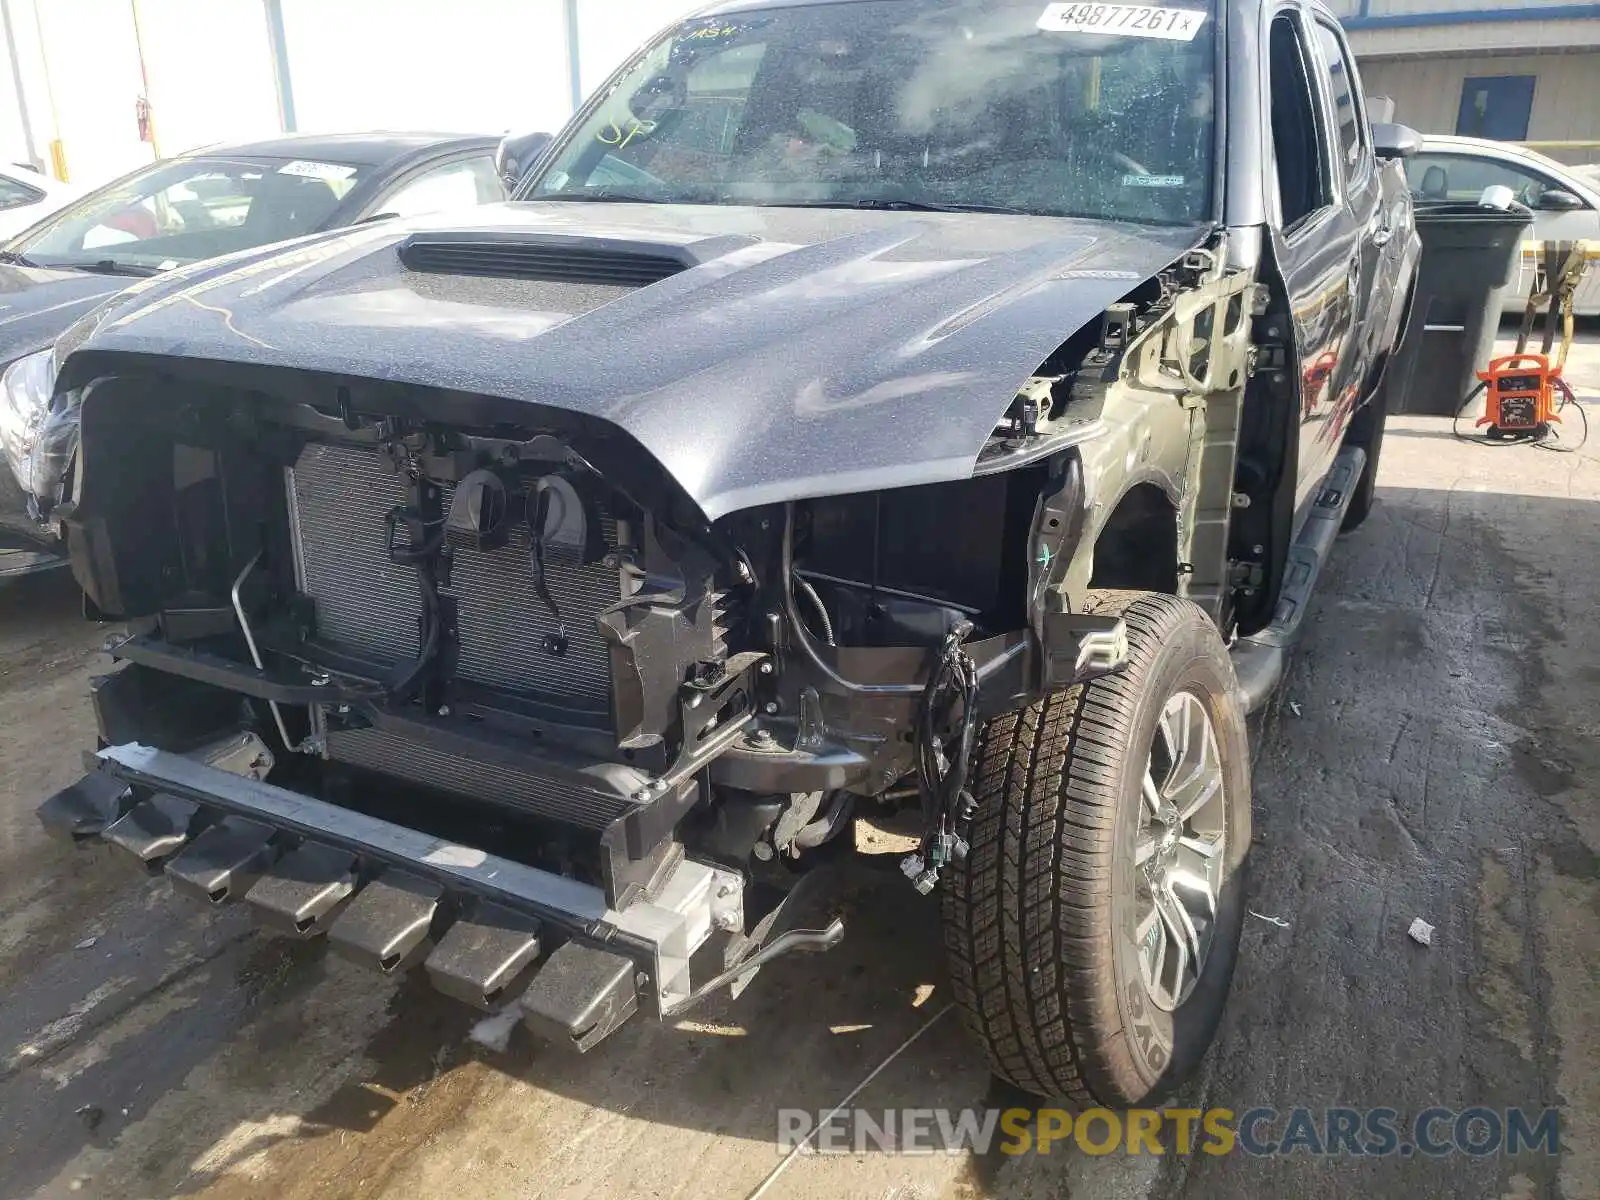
(1521, 401)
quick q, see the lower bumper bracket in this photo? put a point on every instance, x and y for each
(581, 995)
(390, 923)
(153, 829)
(83, 810)
(224, 861)
(483, 958)
(301, 895)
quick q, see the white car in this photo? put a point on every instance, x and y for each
(27, 196)
(1565, 201)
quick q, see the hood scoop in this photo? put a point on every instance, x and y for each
(550, 260)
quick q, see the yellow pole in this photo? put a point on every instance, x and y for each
(58, 148)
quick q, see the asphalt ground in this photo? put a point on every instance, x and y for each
(1432, 754)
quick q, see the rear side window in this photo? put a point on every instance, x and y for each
(1299, 147)
(1344, 89)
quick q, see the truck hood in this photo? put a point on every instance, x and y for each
(38, 304)
(795, 353)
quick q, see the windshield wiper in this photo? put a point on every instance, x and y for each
(605, 197)
(886, 204)
(110, 266)
(16, 259)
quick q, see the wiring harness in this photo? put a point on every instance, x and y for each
(945, 762)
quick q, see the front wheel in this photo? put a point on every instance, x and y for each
(1093, 927)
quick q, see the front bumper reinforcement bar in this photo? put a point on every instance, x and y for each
(497, 932)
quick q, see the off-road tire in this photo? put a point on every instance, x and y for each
(1366, 431)
(1033, 917)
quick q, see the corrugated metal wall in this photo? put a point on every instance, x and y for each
(1411, 8)
(1427, 92)
(1482, 37)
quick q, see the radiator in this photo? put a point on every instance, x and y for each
(338, 498)
(476, 778)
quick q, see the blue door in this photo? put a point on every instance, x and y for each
(1496, 106)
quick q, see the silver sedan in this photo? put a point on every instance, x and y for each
(1565, 200)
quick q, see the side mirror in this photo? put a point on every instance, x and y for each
(1395, 141)
(1557, 200)
(517, 154)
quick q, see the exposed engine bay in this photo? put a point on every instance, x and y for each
(525, 638)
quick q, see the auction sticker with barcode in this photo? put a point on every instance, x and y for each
(317, 170)
(1119, 20)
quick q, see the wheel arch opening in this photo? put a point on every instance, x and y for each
(1137, 547)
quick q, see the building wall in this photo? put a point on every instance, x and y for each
(473, 66)
(1405, 12)
(1477, 37)
(13, 136)
(1388, 9)
(1566, 94)
(609, 31)
(483, 66)
(94, 80)
(200, 97)
(1419, 52)
(477, 66)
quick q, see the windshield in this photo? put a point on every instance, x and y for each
(179, 212)
(1093, 110)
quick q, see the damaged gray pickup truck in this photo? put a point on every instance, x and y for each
(943, 405)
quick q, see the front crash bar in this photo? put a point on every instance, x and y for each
(658, 935)
(213, 669)
(577, 907)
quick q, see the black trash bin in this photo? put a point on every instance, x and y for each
(1469, 257)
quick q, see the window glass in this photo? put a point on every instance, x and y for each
(455, 185)
(1298, 142)
(1015, 105)
(1344, 88)
(15, 195)
(1496, 107)
(1461, 177)
(185, 210)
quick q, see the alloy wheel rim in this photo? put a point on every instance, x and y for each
(1179, 852)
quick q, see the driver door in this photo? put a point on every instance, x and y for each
(1317, 243)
